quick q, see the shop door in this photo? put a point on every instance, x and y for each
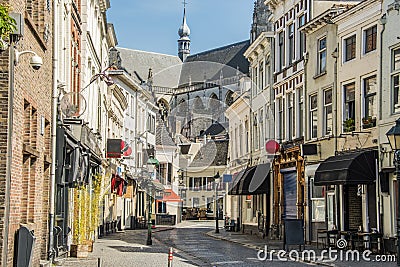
(290, 195)
(331, 210)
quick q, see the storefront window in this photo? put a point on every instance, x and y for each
(317, 202)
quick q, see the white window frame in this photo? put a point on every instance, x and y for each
(321, 51)
(326, 105)
(316, 200)
(344, 115)
(394, 73)
(312, 110)
(291, 131)
(302, 37)
(281, 50)
(364, 96)
(344, 47)
(291, 43)
(364, 38)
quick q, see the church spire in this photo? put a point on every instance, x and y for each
(184, 40)
(260, 20)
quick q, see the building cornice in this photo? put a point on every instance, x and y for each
(258, 46)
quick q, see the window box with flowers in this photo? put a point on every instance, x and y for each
(368, 122)
(349, 125)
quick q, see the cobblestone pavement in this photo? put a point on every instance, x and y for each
(190, 239)
(194, 244)
(127, 249)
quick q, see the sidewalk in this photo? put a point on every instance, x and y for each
(258, 243)
(127, 248)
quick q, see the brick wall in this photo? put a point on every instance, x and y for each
(30, 163)
(354, 215)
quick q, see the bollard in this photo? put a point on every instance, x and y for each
(170, 257)
(98, 262)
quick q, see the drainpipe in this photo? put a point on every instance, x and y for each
(51, 250)
(134, 203)
(10, 130)
(378, 196)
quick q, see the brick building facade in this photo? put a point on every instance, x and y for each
(31, 152)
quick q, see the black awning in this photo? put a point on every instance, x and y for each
(252, 181)
(348, 168)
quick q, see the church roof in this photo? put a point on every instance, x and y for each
(216, 128)
(212, 64)
(166, 68)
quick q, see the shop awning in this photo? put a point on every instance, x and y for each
(348, 168)
(170, 196)
(252, 181)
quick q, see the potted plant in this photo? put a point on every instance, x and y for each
(7, 26)
(369, 122)
(80, 246)
(349, 125)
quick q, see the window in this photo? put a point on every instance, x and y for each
(322, 55)
(261, 82)
(370, 39)
(300, 112)
(196, 202)
(281, 46)
(396, 79)
(370, 106)
(317, 202)
(349, 107)
(261, 120)
(302, 38)
(255, 81)
(281, 114)
(328, 117)
(314, 116)
(290, 43)
(290, 115)
(256, 131)
(197, 183)
(350, 48)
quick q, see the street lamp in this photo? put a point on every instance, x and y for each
(393, 136)
(149, 241)
(216, 181)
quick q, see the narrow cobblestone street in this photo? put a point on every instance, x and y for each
(194, 244)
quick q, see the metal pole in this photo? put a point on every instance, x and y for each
(51, 252)
(216, 208)
(397, 164)
(149, 241)
(170, 257)
(10, 130)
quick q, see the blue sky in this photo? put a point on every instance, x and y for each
(152, 25)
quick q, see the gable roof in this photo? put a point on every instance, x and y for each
(163, 136)
(166, 68)
(224, 61)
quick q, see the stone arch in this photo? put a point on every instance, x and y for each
(214, 103)
(163, 107)
(198, 103)
(182, 105)
(229, 98)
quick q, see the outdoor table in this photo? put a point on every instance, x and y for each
(366, 239)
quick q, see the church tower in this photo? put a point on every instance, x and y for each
(184, 40)
(260, 20)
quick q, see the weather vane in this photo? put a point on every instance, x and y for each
(184, 3)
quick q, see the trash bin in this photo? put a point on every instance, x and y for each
(25, 243)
